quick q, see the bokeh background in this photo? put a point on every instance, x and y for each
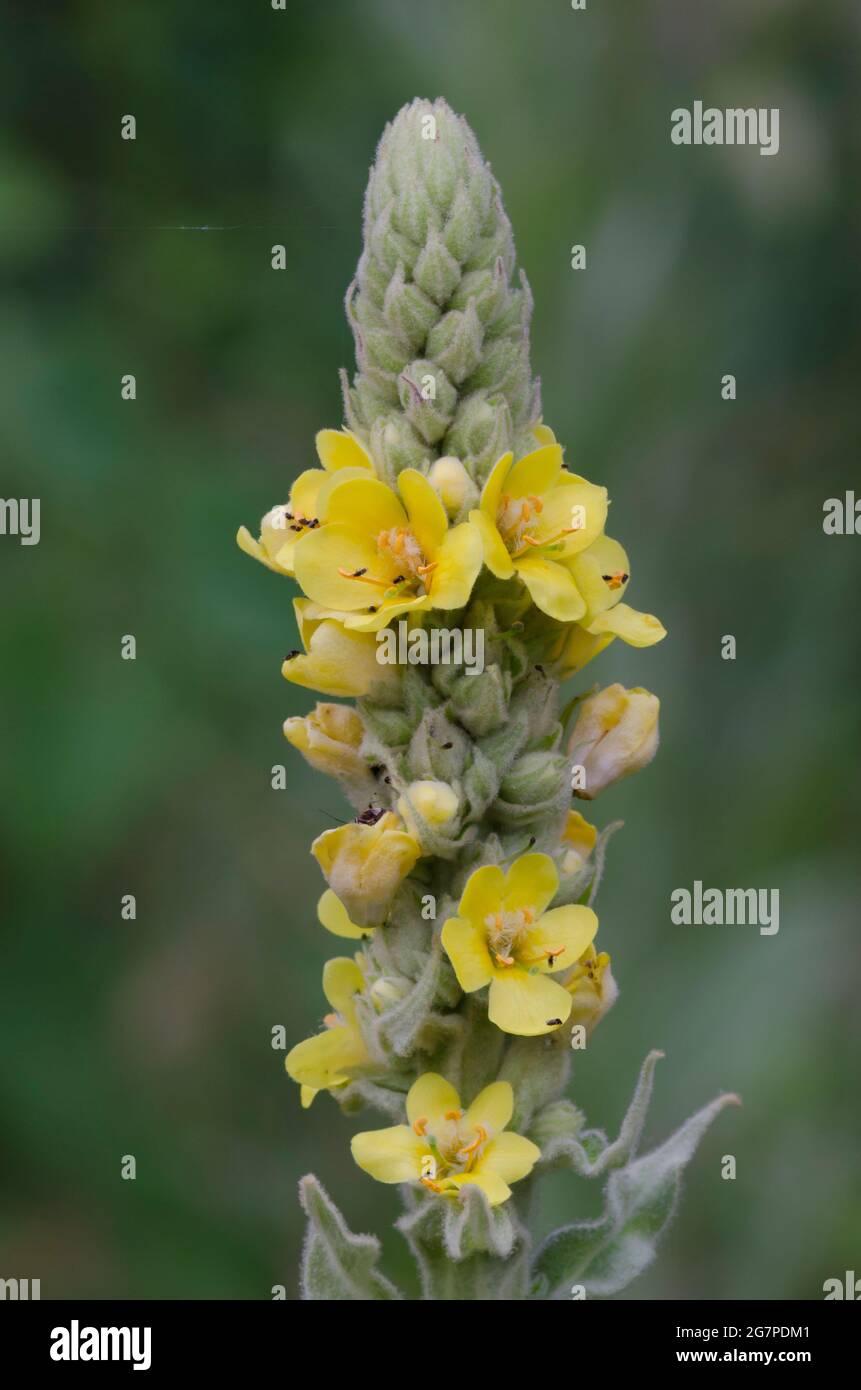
(152, 777)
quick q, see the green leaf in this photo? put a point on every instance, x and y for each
(605, 1255)
(587, 1152)
(337, 1265)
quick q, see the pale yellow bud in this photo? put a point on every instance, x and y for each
(428, 803)
(452, 484)
(616, 733)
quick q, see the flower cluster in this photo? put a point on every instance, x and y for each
(466, 877)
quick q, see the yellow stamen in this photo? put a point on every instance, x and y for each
(480, 1137)
(331, 1020)
(616, 580)
(434, 1186)
(454, 1115)
(504, 960)
(426, 569)
(420, 1126)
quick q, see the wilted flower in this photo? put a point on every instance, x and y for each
(329, 738)
(446, 1149)
(365, 862)
(578, 842)
(616, 733)
(592, 987)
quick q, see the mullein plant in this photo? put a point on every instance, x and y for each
(463, 891)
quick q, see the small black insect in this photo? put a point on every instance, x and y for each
(377, 769)
(399, 579)
(552, 1021)
(290, 655)
(370, 815)
(446, 746)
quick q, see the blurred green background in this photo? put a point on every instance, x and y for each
(152, 777)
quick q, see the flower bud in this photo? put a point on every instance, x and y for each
(455, 488)
(578, 842)
(428, 805)
(534, 778)
(365, 863)
(616, 733)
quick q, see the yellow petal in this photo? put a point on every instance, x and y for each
(321, 554)
(637, 629)
(304, 492)
(366, 505)
(492, 490)
(573, 502)
(492, 1108)
(492, 1185)
(532, 882)
(578, 834)
(482, 894)
(496, 555)
(458, 562)
(510, 1156)
(603, 557)
(527, 1005)
(430, 1098)
(306, 1095)
(250, 546)
(390, 1155)
(570, 929)
(341, 449)
(384, 613)
(535, 473)
(338, 662)
(327, 1059)
(551, 588)
(427, 515)
(544, 434)
(578, 649)
(466, 947)
(333, 916)
(342, 978)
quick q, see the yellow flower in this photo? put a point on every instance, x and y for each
(592, 988)
(615, 734)
(376, 556)
(365, 862)
(335, 1056)
(342, 456)
(601, 574)
(578, 842)
(329, 739)
(533, 516)
(504, 937)
(446, 1149)
(332, 914)
(337, 662)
